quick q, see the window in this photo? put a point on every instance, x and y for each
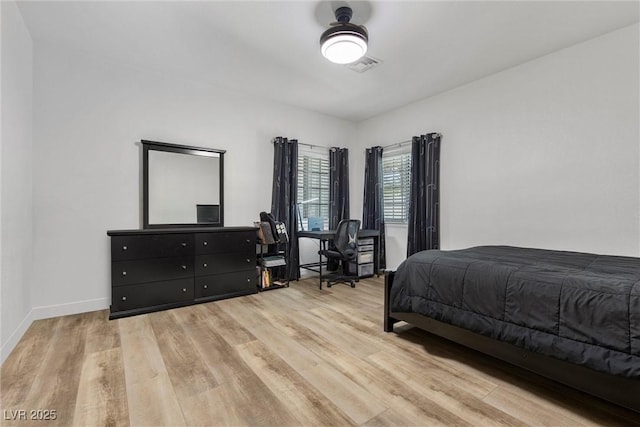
(313, 185)
(396, 182)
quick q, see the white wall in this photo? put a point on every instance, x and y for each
(88, 116)
(16, 260)
(544, 155)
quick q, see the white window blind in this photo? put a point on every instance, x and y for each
(313, 184)
(396, 181)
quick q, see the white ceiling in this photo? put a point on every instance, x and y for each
(271, 49)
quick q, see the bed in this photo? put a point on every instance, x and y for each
(573, 317)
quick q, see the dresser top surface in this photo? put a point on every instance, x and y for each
(179, 230)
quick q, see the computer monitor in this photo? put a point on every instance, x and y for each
(315, 224)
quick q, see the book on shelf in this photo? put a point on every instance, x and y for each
(279, 283)
(266, 278)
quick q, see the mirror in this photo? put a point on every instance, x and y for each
(182, 186)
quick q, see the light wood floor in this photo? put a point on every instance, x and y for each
(296, 356)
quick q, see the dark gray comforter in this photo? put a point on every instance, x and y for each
(578, 307)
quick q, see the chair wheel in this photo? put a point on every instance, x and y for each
(328, 285)
(353, 285)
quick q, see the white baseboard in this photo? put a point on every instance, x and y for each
(47, 311)
(13, 340)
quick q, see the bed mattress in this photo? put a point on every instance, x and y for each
(578, 307)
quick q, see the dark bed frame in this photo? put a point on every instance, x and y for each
(619, 390)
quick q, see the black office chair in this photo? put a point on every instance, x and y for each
(344, 250)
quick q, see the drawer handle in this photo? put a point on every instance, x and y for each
(248, 240)
(248, 260)
(124, 248)
(184, 289)
(124, 298)
(204, 265)
(205, 286)
(184, 267)
(124, 273)
(183, 244)
(204, 243)
(249, 280)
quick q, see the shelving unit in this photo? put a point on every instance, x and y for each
(271, 265)
(364, 265)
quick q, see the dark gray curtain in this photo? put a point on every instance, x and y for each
(424, 201)
(338, 191)
(283, 197)
(373, 206)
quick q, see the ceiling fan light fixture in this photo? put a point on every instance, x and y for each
(344, 42)
(344, 48)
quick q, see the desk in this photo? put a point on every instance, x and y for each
(327, 235)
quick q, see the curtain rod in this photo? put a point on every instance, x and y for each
(308, 145)
(398, 144)
(314, 146)
(401, 143)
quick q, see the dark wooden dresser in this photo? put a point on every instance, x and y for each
(157, 269)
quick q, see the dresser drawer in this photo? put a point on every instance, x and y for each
(364, 257)
(360, 270)
(210, 243)
(223, 284)
(151, 294)
(225, 262)
(152, 246)
(365, 241)
(150, 270)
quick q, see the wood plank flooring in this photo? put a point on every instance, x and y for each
(289, 357)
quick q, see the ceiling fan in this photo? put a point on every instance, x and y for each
(344, 42)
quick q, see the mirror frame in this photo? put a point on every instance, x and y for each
(181, 149)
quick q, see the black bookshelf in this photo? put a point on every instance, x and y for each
(272, 262)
